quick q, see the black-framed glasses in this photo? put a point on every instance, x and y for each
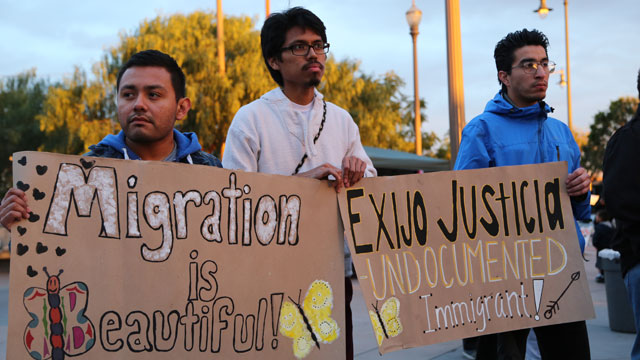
(531, 67)
(302, 49)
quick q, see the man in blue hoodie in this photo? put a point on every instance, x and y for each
(515, 129)
(151, 98)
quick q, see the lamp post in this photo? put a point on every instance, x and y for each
(220, 33)
(543, 10)
(414, 15)
(456, 86)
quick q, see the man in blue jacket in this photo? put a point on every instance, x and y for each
(151, 98)
(515, 129)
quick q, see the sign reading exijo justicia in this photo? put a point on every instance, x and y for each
(151, 260)
(451, 255)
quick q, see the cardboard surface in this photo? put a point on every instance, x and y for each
(449, 255)
(152, 260)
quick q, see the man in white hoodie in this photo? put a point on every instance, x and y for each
(292, 130)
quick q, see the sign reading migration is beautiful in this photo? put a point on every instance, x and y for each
(451, 255)
(152, 260)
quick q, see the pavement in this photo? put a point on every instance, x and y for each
(605, 344)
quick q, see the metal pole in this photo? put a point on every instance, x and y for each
(220, 33)
(456, 84)
(566, 34)
(267, 8)
(418, 122)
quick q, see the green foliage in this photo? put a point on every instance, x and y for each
(75, 114)
(383, 114)
(604, 125)
(78, 112)
(21, 98)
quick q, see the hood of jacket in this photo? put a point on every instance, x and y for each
(186, 143)
(500, 106)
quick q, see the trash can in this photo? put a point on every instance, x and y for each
(618, 305)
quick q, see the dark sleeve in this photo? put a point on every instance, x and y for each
(621, 173)
(602, 236)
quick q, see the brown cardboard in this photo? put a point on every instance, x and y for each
(133, 275)
(478, 279)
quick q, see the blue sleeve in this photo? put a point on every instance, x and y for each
(473, 152)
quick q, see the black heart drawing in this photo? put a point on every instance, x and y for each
(37, 194)
(60, 251)
(22, 186)
(87, 164)
(33, 217)
(22, 249)
(23, 161)
(31, 272)
(41, 169)
(21, 230)
(40, 248)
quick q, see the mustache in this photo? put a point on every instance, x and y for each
(311, 63)
(139, 116)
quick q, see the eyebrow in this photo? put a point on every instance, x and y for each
(298, 42)
(532, 59)
(146, 87)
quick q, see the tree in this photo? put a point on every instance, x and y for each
(79, 112)
(383, 114)
(21, 98)
(75, 114)
(604, 125)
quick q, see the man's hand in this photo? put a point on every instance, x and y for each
(322, 172)
(13, 208)
(353, 170)
(578, 182)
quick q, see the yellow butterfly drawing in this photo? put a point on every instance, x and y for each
(310, 324)
(386, 322)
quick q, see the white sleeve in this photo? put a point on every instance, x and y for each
(241, 151)
(356, 149)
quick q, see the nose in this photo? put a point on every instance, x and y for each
(541, 71)
(140, 104)
(311, 54)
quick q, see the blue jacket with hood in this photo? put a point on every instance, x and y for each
(505, 135)
(188, 149)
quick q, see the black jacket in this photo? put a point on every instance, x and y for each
(622, 190)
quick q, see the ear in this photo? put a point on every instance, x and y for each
(184, 105)
(504, 78)
(274, 63)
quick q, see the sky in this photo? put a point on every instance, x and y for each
(55, 36)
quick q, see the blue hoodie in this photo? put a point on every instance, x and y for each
(505, 135)
(188, 149)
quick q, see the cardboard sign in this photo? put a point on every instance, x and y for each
(150, 260)
(449, 255)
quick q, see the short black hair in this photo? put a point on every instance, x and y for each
(160, 59)
(275, 29)
(506, 48)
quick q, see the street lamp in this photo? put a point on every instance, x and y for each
(562, 82)
(414, 15)
(543, 10)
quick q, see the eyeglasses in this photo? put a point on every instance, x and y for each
(302, 49)
(531, 67)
